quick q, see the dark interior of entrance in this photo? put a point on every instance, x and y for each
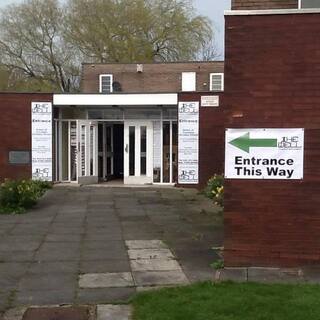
(118, 143)
(110, 151)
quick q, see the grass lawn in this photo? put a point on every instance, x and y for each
(230, 301)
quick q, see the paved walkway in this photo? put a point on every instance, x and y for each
(85, 245)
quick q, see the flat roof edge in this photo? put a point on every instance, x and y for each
(150, 63)
(115, 99)
(269, 12)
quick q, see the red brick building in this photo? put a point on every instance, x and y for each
(15, 133)
(124, 125)
(272, 81)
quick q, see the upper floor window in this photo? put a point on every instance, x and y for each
(189, 81)
(105, 83)
(304, 4)
(216, 81)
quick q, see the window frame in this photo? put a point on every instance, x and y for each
(185, 74)
(300, 5)
(222, 81)
(111, 82)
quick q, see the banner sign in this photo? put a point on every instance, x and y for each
(264, 154)
(41, 119)
(188, 144)
(209, 101)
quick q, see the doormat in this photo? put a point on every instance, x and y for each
(57, 313)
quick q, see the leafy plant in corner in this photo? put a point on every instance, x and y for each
(215, 190)
(217, 265)
(18, 195)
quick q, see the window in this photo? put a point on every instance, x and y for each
(305, 4)
(216, 81)
(106, 81)
(188, 81)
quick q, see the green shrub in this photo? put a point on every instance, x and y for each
(17, 196)
(214, 189)
(217, 265)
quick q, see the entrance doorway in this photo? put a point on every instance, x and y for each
(76, 151)
(110, 155)
(138, 152)
(135, 146)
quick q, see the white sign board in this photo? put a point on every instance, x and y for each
(209, 101)
(41, 117)
(264, 154)
(188, 144)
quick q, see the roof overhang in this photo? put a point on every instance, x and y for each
(115, 99)
(269, 12)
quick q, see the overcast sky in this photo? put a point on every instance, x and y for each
(212, 8)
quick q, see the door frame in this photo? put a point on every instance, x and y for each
(137, 178)
(90, 174)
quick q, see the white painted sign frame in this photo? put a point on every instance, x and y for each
(276, 154)
(41, 141)
(188, 144)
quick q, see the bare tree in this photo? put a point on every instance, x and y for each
(43, 42)
(209, 52)
(137, 30)
(32, 45)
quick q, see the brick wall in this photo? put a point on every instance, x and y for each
(272, 78)
(15, 130)
(156, 77)
(211, 138)
(263, 4)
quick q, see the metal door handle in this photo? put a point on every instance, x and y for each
(126, 148)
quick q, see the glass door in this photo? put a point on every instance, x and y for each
(108, 150)
(87, 152)
(138, 152)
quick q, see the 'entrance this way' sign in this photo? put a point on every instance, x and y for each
(264, 153)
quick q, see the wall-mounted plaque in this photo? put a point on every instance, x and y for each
(19, 157)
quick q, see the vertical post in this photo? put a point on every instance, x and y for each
(69, 151)
(170, 151)
(161, 147)
(104, 150)
(60, 149)
(112, 152)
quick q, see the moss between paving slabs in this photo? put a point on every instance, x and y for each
(230, 301)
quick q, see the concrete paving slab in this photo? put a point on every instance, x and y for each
(104, 295)
(50, 282)
(156, 278)
(142, 235)
(232, 274)
(45, 297)
(16, 256)
(53, 267)
(15, 313)
(145, 244)
(104, 266)
(13, 269)
(106, 280)
(81, 221)
(57, 237)
(103, 254)
(154, 265)
(152, 288)
(111, 244)
(114, 312)
(102, 236)
(137, 254)
(8, 283)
